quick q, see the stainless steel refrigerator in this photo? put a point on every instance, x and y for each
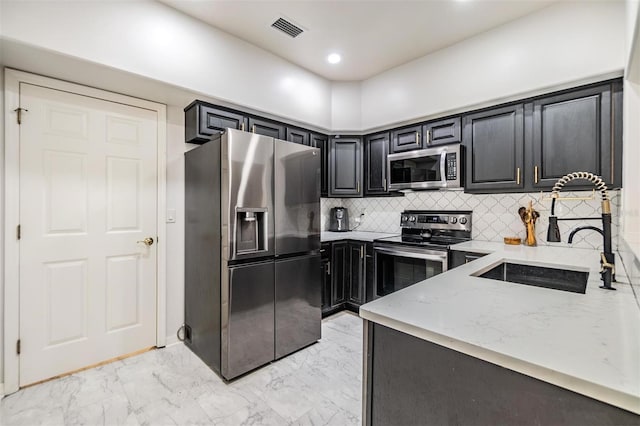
(252, 243)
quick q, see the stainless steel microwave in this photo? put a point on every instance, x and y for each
(430, 168)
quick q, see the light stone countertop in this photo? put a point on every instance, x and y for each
(327, 236)
(588, 343)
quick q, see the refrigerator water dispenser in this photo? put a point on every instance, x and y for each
(251, 228)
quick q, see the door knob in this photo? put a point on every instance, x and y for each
(147, 241)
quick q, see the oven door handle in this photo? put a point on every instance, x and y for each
(431, 255)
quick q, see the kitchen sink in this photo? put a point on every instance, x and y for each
(538, 276)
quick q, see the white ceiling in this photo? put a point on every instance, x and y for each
(371, 36)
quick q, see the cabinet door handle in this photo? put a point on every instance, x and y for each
(384, 184)
(253, 128)
(242, 126)
(358, 186)
(361, 252)
(428, 137)
(417, 138)
(329, 268)
(518, 176)
(535, 174)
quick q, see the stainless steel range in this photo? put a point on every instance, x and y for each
(421, 251)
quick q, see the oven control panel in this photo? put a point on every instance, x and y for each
(454, 220)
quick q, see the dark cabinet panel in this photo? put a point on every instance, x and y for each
(442, 132)
(459, 258)
(357, 272)
(297, 136)
(369, 274)
(345, 167)
(266, 127)
(325, 272)
(406, 139)
(321, 142)
(202, 121)
(339, 272)
(494, 141)
(572, 132)
(376, 149)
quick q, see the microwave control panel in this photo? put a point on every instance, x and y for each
(452, 166)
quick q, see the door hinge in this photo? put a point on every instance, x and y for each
(18, 347)
(19, 115)
(19, 232)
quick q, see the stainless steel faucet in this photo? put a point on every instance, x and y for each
(607, 258)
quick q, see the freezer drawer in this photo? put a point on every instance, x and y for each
(248, 320)
(298, 303)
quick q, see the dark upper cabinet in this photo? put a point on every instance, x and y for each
(202, 121)
(265, 127)
(572, 132)
(406, 139)
(339, 271)
(494, 149)
(357, 272)
(345, 167)
(297, 136)
(376, 149)
(442, 132)
(317, 140)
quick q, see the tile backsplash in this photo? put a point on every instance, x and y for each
(495, 216)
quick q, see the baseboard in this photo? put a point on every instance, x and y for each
(172, 340)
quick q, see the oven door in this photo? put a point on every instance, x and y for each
(397, 267)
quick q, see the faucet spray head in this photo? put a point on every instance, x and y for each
(553, 232)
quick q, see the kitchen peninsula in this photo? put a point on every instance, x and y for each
(462, 349)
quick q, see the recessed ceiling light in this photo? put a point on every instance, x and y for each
(334, 58)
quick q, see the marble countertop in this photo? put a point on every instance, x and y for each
(327, 236)
(588, 343)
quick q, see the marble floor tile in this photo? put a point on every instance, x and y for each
(318, 385)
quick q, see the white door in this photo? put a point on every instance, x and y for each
(88, 194)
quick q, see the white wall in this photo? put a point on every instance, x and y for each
(152, 40)
(346, 105)
(559, 45)
(2, 201)
(631, 136)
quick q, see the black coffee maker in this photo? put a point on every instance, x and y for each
(339, 219)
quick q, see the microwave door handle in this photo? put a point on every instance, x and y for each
(443, 168)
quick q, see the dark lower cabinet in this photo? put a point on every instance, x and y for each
(201, 121)
(442, 132)
(345, 167)
(357, 272)
(369, 275)
(376, 149)
(298, 136)
(494, 142)
(266, 127)
(325, 273)
(458, 258)
(410, 381)
(339, 272)
(348, 277)
(572, 132)
(321, 142)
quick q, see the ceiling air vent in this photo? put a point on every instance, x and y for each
(287, 27)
